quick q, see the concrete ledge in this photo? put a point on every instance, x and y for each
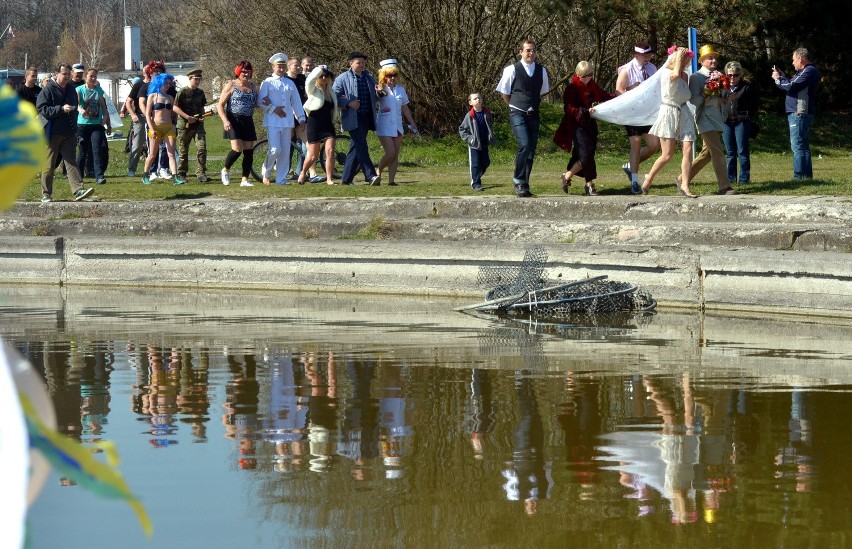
(31, 259)
(785, 281)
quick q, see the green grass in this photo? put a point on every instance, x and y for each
(377, 229)
(438, 166)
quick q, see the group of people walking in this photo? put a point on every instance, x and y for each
(298, 110)
(302, 111)
(723, 112)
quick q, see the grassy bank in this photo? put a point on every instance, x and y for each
(432, 166)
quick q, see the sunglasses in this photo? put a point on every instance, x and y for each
(733, 74)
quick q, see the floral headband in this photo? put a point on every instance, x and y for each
(673, 49)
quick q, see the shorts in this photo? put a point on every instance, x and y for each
(242, 128)
(637, 130)
(161, 131)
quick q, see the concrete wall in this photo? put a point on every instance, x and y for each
(812, 283)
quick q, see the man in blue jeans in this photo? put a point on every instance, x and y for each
(356, 95)
(522, 86)
(800, 105)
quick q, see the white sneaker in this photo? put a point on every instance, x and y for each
(245, 183)
(152, 176)
(226, 177)
(164, 173)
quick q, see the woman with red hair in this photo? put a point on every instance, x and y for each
(236, 106)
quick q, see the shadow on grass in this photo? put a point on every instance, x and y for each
(768, 187)
(186, 196)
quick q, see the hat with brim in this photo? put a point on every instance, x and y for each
(78, 67)
(278, 58)
(194, 72)
(387, 63)
(706, 50)
(356, 55)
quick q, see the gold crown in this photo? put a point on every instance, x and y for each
(706, 50)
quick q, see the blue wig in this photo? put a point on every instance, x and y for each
(158, 81)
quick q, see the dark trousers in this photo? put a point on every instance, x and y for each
(480, 159)
(525, 127)
(92, 139)
(358, 156)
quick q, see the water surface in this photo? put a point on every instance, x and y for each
(279, 420)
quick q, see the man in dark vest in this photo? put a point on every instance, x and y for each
(522, 86)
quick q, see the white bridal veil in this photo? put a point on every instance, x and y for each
(636, 107)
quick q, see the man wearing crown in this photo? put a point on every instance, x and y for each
(708, 92)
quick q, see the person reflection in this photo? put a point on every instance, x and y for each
(94, 390)
(527, 475)
(157, 395)
(322, 410)
(661, 460)
(285, 426)
(581, 423)
(193, 400)
(678, 445)
(396, 431)
(359, 433)
(795, 459)
(241, 402)
(58, 365)
(480, 417)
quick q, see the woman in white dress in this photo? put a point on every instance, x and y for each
(393, 105)
(674, 120)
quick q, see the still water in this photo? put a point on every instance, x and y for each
(292, 420)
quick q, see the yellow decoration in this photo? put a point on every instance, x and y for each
(74, 460)
(22, 145)
(706, 50)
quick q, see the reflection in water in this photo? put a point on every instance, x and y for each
(169, 389)
(506, 437)
(528, 474)
(241, 418)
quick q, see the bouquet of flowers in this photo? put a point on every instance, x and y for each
(717, 84)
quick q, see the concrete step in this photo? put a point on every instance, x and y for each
(812, 225)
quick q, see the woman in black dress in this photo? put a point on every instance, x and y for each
(322, 114)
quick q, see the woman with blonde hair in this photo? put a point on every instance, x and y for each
(578, 131)
(739, 111)
(322, 114)
(674, 121)
(393, 105)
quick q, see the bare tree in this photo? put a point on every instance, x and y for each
(99, 41)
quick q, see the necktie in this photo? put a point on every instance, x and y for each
(644, 74)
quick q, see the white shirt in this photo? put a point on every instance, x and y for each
(389, 117)
(634, 74)
(281, 93)
(508, 78)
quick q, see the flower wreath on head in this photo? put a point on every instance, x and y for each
(673, 49)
